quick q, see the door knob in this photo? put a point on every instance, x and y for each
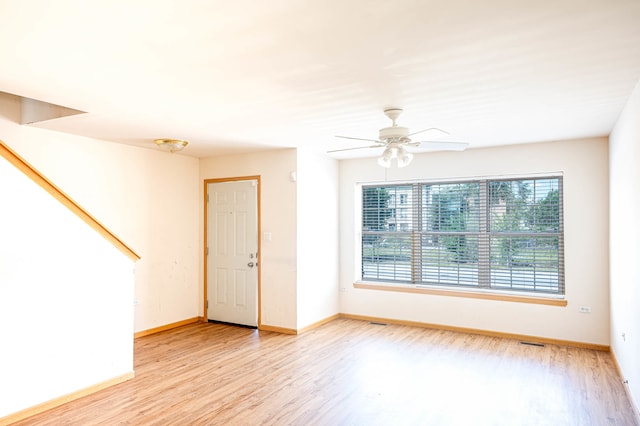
(250, 264)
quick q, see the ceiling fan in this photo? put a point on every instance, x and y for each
(395, 139)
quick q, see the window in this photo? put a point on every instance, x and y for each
(492, 234)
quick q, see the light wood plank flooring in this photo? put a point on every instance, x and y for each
(351, 372)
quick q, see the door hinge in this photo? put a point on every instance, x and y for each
(207, 198)
(207, 304)
(207, 251)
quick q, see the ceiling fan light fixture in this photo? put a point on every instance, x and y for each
(404, 157)
(171, 145)
(385, 159)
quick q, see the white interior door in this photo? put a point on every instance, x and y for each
(232, 262)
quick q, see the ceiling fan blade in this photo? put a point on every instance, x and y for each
(441, 146)
(433, 133)
(360, 139)
(351, 149)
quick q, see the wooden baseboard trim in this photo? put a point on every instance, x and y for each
(318, 323)
(534, 339)
(283, 330)
(636, 409)
(167, 327)
(292, 331)
(265, 327)
(48, 405)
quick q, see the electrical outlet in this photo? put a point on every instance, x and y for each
(584, 309)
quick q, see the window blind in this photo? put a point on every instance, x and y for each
(494, 234)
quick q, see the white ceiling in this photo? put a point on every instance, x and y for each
(243, 75)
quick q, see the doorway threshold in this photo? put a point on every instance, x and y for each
(253, 327)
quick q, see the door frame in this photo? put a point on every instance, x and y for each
(206, 243)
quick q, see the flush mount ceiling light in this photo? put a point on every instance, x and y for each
(171, 145)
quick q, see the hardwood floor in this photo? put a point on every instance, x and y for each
(350, 372)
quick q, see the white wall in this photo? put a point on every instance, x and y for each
(146, 197)
(624, 161)
(585, 167)
(317, 287)
(278, 217)
(65, 299)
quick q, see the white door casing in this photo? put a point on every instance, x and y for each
(232, 260)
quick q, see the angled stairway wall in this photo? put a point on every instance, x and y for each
(66, 291)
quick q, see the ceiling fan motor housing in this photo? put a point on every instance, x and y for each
(394, 133)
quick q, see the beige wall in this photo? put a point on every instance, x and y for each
(299, 263)
(147, 197)
(584, 164)
(317, 281)
(624, 157)
(278, 218)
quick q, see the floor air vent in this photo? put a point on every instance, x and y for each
(376, 323)
(540, 345)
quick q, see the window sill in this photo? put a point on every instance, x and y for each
(408, 288)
